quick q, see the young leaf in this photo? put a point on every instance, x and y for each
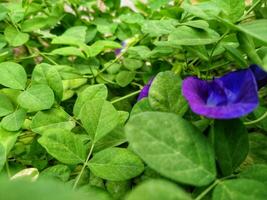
(165, 93)
(61, 172)
(37, 97)
(239, 189)
(99, 117)
(124, 78)
(89, 93)
(6, 106)
(64, 145)
(157, 189)
(47, 74)
(12, 75)
(51, 119)
(230, 141)
(172, 146)
(14, 121)
(116, 164)
(15, 37)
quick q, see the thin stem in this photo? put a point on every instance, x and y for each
(46, 57)
(207, 190)
(84, 165)
(7, 169)
(257, 120)
(249, 10)
(126, 96)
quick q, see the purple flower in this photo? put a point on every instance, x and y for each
(230, 96)
(119, 51)
(145, 90)
(260, 75)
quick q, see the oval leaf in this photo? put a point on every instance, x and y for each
(12, 75)
(172, 146)
(37, 97)
(116, 164)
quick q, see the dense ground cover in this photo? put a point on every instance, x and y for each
(164, 100)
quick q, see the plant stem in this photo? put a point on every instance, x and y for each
(257, 120)
(207, 190)
(84, 165)
(126, 96)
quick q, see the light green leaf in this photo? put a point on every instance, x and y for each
(51, 119)
(124, 78)
(157, 189)
(7, 141)
(89, 93)
(37, 97)
(230, 141)
(256, 29)
(99, 117)
(157, 28)
(14, 37)
(12, 75)
(14, 121)
(64, 145)
(6, 106)
(257, 148)
(99, 46)
(116, 164)
(48, 74)
(68, 51)
(165, 93)
(61, 172)
(172, 146)
(232, 9)
(132, 64)
(184, 35)
(38, 22)
(241, 189)
(141, 106)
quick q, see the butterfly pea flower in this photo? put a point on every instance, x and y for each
(145, 90)
(260, 75)
(230, 96)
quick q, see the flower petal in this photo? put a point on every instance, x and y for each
(260, 75)
(145, 90)
(230, 96)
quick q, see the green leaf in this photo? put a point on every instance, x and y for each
(15, 37)
(241, 189)
(14, 121)
(141, 106)
(172, 146)
(6, 106)
(37, 97)
(3, 12)
(116, 164)
(61, 172)
(38, 22)
(12, 75)
(7, 141)
(89, 93)
(230, 141)
(256, 172)
(157, 28)
(118, 189)
(158, 189)
(48, 74)
(124, 78)
(99, 117)
(165, 93)
(99, 46)
(64, 145)
(51, 119)
(184, 35)
(232, 9)
(257, 148)
(114, 138)
(256, 29)
(68, 51)
(132, 64)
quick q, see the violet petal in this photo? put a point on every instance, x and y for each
(260, 75)
(231, 96)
